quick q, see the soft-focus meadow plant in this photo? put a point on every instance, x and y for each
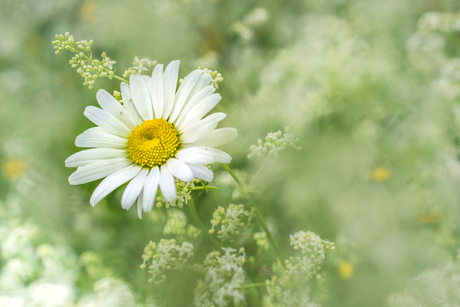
(355, 204)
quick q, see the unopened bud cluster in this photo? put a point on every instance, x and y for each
(165, 256)
(313, 250)
(274, 142)
(224, 274)
(176, 224)
(183, 190)
(231, 221)
(139, 66)
(90, 69)
(216, 76)
(261, 240)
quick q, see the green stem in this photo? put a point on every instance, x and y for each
(254, 285)
(191, 205)
(232, 173)
(205, 188)
(255, 176)
(265, 227)
(121, 79)
(253, 204)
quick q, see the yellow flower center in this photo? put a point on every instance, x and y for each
(153, 143)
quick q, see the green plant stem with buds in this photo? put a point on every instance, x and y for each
(191, 205)
(253, 204)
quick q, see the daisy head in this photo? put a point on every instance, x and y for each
(157, 135)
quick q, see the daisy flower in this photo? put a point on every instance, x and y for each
(157, 135)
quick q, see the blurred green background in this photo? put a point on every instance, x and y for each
(370, 88)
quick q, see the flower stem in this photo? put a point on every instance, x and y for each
(121, 79)
(191, 205)
(258, 171)
(205, 188)
(232, 173)
(253, 204)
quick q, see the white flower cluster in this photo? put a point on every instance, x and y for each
(109, 292)
(165, 256)
(279, 296)
(313, 250)
(231, 221)
(428, 44)
(434, 287)
(261, 241)
(224, 276)
(274, 142)
(216, 76)
(139, 66)
(87, 67)
(183, 190)
(246, 28)
(289, 287)
(176, 224)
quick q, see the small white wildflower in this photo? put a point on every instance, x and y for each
(166, 255)
(313, 250)
(224, 274)
(139, 66)
(231, 221)
(183, 194)
(274, 142)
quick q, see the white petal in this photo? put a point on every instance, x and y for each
(215, 138)
(92, 155)
(167, 185)
(157, 91)
(129, 104)
(170, 78)
(151, 188)
(191, 135)
(203, 155)
(98, 137)
(133, 189)
(220, 156)
(109, 104)
(106, 121)
(204, 81)
(196, 155)
(183, 93)
(113, 181)
(212, 117)
(140, 200)
(201, 172)
(141, 96)
(179, 170)
(201, 109)
(98, 170)
(205, 92)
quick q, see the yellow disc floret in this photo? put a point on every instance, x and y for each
(153, 143)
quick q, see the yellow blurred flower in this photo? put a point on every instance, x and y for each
(14, 169)
(345, 269)
(429, 219)
(381, 174)
(87, 11)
